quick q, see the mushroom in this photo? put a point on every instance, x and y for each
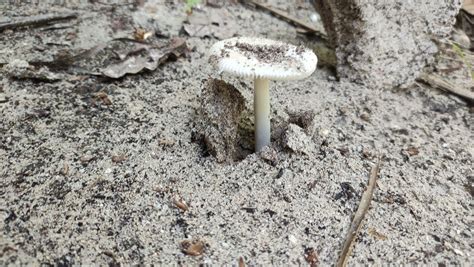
(263, 60)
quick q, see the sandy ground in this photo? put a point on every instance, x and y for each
(83, 182)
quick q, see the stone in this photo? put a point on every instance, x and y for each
(270, 155)
(220, 113)
(297, 141)
(385, 43)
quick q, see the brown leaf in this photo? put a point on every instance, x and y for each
(413, 151)
(193, 247)
(118, 158)
(102, 96)
(142, 34)
(181, 204)
(311, 256)
(153, 57)
(241, 262)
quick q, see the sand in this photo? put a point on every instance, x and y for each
(86, 182)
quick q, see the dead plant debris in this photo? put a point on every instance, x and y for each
(180, 204)
(359, 216)
(440, 83)
(194, 247)
(131, 61)
(311, 256)
(36, 21)
(412, 151)
(118, 158)
(104, 98)
(377, 235)
(142, 34)
(153, 57)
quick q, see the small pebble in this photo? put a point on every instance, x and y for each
(293, 239)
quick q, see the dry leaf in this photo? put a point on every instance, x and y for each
(181, 204)
(155, 56)
(311, 256)
(413, 151)
(193, 248)
(102, 96)
(118, 158)
(141, 34)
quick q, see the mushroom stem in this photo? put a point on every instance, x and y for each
(261, 106)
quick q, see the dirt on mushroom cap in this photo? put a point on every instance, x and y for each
(265, 53)
(263, 58)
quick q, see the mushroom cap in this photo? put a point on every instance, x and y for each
(263, 58)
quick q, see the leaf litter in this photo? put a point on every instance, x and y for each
(150, 59)
(110, 60)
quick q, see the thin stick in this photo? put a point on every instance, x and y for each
(359, 216)
(36, 21)
(438, 82)
(288, 18)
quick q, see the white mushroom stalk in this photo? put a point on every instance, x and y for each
(263, 60)
(261, 106)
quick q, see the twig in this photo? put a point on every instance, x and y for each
(113, 4)
(297, 22)
(438, 82)
(36, 21)
(359, 216)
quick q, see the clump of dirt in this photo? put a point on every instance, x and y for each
(264, 53)
(220, 115)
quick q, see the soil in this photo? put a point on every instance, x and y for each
(97, 171)
(263, 53)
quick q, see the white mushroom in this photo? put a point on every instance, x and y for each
(263, 60)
